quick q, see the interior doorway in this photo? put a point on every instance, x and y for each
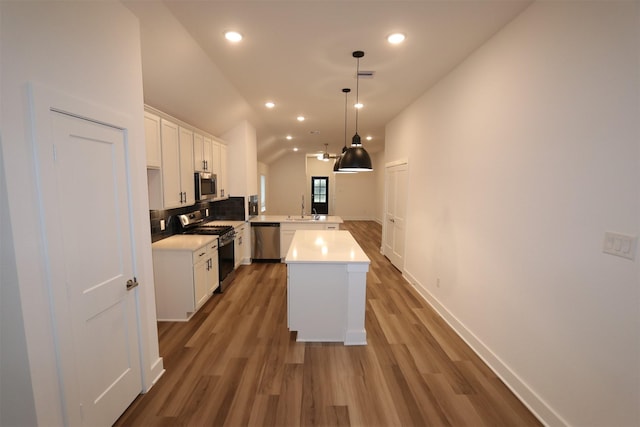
(320, 195)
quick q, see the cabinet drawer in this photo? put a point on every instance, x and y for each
(200, 255)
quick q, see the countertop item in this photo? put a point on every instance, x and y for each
(296, 218)
(325, 246)
(184, 242)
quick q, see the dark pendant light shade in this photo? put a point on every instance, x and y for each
(356, 158)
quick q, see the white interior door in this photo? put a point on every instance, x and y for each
(85, 204)
(395, 214)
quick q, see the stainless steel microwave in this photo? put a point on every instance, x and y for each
(206, 186)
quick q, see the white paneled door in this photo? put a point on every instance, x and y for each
(85, 203)
(395, 214)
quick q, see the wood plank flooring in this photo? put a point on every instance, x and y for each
(236, 364)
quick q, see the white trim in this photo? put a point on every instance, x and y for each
(396, 163)
(523, 392)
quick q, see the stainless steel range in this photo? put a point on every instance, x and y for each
(193, 223)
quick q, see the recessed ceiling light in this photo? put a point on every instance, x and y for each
(396, 38)
(358, 105)
(295, 148)
(269, 104)
(233, 36)
(300, 118)
(369, 138)
(289, 137)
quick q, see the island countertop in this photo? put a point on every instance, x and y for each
(325, 246)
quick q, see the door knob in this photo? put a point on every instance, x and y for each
(132, 283)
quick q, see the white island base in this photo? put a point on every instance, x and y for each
(326, 287)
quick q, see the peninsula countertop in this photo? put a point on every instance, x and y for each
(332, 219)
(325, 246)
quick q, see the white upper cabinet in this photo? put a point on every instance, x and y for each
(152, 139)
(174, 153)
(223, 184)
(187, 183)
(172, 185)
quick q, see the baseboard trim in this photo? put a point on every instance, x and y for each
(528, 397)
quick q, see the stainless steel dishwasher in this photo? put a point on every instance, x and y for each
(265, 241)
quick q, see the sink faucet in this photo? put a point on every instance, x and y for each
(302, 211)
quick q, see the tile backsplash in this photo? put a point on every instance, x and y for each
(231, 209)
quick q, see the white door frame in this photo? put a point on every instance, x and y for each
(43, 101)
(387, 166)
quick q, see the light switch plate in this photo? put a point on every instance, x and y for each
(619, 244)
(162, 226)
(206, 212)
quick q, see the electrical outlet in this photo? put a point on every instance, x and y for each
(619, 244)
(162, 226)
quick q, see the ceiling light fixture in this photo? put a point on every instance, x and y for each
(300, 118)
(233, 36)
(396, 38)
(336, 164)
(325, 156)
(356, 158)
(269, 104)
(289, 137)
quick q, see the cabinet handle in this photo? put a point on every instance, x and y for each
(202, 254)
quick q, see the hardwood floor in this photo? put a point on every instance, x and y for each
(236, 364)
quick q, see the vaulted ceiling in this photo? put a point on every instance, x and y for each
(298, 54)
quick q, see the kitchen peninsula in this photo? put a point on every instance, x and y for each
(326, 287)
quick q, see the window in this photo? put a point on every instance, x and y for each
(263, 193)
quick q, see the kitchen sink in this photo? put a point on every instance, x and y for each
(304, 218)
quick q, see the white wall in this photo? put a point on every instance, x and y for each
(242, 165)
(286, 184)
(89, 51)
(521, 159)
(352, 196)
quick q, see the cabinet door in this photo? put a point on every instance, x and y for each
(200, 285)
(207, 154)
(222, 177)
(199, 163)
(152, 140)
(239, 245)
(187, 185)
(215, 160)
(171, 190)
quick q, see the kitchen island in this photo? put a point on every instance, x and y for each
(326, 287)
(289, 224)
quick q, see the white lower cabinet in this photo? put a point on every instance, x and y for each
(240, 244)
(184, 278)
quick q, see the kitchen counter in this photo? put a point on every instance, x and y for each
(326, 287)
(296, 219)
(183, 242)
(320, 246)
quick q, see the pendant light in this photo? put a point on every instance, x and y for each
(356, 158)
(336, 165)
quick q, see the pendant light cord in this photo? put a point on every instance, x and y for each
(346, 95)
(357, 90)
